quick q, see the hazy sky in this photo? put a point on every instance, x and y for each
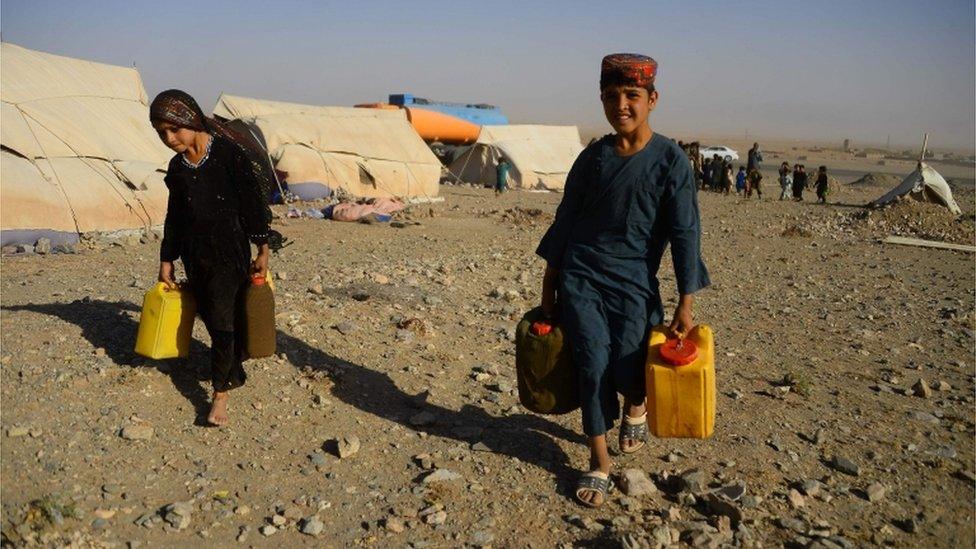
(800, 69)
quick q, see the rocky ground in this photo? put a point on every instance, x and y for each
(389, 417)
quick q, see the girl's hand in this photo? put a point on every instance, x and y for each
(682, 322)
(166, 274)
(260, 263)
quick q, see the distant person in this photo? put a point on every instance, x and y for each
(216, 210)
(755, 158)
(706, 173)
(799, 182)
(754, 183)
(696, 162)
(501, 175)
(823, 185)
(740, 180)
(728, 181)
(718, 173)
(603, 252)
(785, 181)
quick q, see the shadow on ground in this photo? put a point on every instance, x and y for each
(526, 437)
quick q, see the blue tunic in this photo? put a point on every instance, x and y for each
(607, 240)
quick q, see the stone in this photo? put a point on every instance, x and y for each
(921, 389)
(15, 432)
(845, 466)
(64, 248)
(796, 499)
(312, 526)
(316, 289)
(634, 482)
(693, 481)
(137, 430)
(435, 518)
(347, 446)
(440, 475)
(394, 524)
(875, 492)
(242, 510)
(345, 328)
(722, 506)
(278, 520)
(480, 447)
(268, 530)
(811, 487)
(42, 246)
(942, 385)
(318, 459)
(178, 514)
(733, 491)
(99, 524)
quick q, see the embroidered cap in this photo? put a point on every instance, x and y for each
(627, 69)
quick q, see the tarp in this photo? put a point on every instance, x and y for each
(367, 152)
(541, 156)
(924, 184)
(78, 152)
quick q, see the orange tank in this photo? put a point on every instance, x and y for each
(435, 126)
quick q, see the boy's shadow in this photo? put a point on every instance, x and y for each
(526, 437)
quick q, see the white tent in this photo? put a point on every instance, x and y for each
(78, 152)
(541, 156)
(924, 184)
(367, 152)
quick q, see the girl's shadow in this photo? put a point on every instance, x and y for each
(526, 437)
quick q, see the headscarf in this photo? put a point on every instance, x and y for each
(179, 108)
(627, 69)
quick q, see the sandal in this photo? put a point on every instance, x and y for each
(594, 481)
(633, 428)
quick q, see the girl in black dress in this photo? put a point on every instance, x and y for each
(217, 208)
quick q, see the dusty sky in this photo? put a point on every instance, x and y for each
(796, 69)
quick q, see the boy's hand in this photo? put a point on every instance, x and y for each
(682, 322)
(166, 274)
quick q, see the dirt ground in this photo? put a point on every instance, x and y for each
(401, 336)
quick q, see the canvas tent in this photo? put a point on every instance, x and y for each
(541, 156)
(367, 152)
(78, 153)
(923, 184)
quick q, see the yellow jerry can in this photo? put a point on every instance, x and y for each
(681, 398)
(166, 323)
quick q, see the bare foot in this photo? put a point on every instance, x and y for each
(218, 410)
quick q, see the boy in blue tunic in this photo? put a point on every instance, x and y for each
(627, 197)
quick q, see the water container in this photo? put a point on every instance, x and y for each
(166, 323)
(547, 378)
(681, 397)
(259, 311)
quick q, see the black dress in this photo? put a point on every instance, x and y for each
(214, 209)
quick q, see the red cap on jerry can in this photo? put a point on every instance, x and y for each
(679, 352)
(541, 328)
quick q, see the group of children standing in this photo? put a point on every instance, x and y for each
(793, 182)
(716, 174)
